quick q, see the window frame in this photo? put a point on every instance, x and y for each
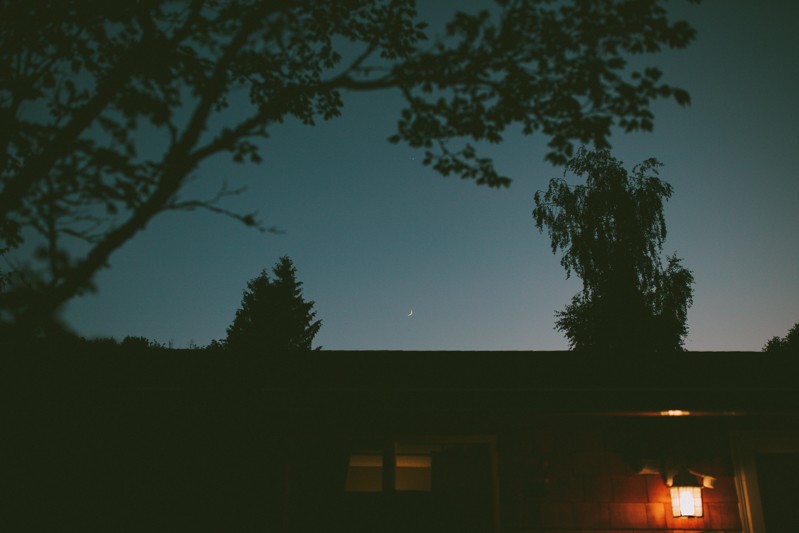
(745, 447)
(490, 441)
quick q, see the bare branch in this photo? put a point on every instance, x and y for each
(211, 204)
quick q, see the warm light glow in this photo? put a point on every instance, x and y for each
(686, 501)
(675, 412)
(413, 461)
(414, 472)
(365, 472)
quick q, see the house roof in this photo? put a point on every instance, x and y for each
(715, 383)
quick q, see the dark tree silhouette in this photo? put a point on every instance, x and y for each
(83, 83)
(787, 344)
(611, 232)
(273, 315)
(140, 343)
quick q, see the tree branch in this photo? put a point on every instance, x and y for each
(36, 168)
(248, 219)
(177, 164)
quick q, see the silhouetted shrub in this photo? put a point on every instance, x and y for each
(789, 344)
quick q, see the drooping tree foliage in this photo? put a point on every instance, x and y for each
(274, 316)
(789, 344)
(610, 231)
(108, 108)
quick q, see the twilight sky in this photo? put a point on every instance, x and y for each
(375, 234)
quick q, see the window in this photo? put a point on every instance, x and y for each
(420, 484)
(766, 463)
(365, 472)
(414, 472)
(777, 474)
(413, 465)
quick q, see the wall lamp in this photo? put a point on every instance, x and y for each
(686, 494)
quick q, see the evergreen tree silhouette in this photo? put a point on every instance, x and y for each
(273, 315)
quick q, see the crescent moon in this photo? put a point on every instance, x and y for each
(411, 313)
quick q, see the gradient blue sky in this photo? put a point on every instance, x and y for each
(374, 234)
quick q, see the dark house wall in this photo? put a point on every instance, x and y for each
(582, 475)
(188, 441)
(553, 473)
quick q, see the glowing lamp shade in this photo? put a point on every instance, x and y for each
(686, 495)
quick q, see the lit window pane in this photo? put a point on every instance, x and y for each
(414, 472)
(365, 472)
